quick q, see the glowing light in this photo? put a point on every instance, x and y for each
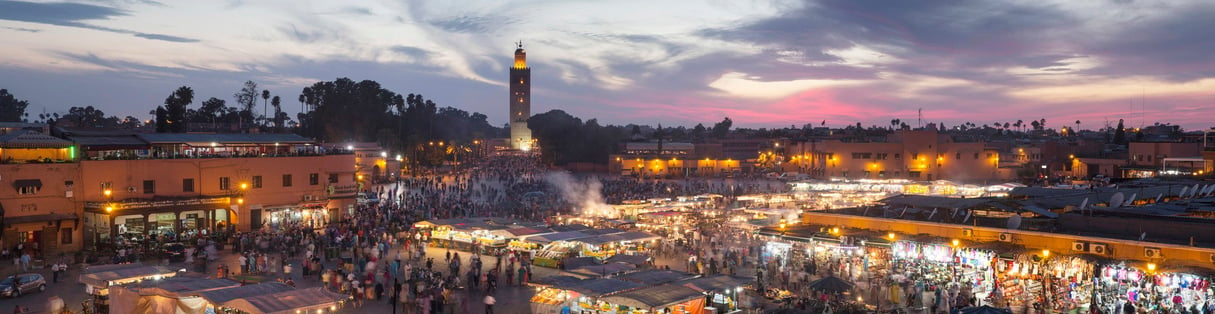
(384, 154)
(1151, 267)
(107, 192)
(349, 147)
(109, 209)
(240, 200)
(360, 177)
(890, 236)
(956, 242)
(244, 186)
(1045, 253)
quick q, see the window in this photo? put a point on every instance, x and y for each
(915, 156)
(314, 179)
(187, 185)
(257, 182)
(333, 178)
(65, 236)
(225, 183)
(898, 156)
(957, 156)
(27, 190)
(107, 186)
(976, 155)
(149, 187)
(286, 180)
(881, 156)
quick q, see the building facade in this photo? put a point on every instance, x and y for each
(520, 101)
(914, 155)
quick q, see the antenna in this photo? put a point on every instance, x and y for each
(920, 118)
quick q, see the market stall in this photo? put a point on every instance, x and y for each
(722, 291)
(577, 296)
(311, 300)
(1149, 290)
(665, 298)
(169, 295)
(97, 280)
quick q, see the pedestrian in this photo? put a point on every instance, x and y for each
(489, 303)
(55, 273)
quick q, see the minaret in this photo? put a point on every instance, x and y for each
(520, 101)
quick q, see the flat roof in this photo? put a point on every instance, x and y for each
(223, 138)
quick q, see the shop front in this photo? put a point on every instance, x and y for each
(137, 221)
(1121, 288)
(307, 214)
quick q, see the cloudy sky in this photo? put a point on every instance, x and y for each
(761, 63)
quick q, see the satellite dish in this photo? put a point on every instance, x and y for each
(1116, 200)
(1014, 222)
(1159, 197)
(1182, 193)
(1084, 204)
(1131, 200)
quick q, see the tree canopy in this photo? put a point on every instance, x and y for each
(11, 108)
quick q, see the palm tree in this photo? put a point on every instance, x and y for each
(1019, 124)
(277, 102)
(265, 99)
(1077, 125)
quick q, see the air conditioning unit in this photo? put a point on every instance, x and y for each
(1080, 246)
(1098, 248)
(967, 232)
(308, 197)
(131, 189)
(1006, 237)
(1151, 252)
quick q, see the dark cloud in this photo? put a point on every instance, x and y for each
(63, 14)
(307, 33)
(963, 38)
(22, 29)
(1174, 44)
(73, 15)
(357, 10)
(470, 24)
(413, 52)
(165, 38)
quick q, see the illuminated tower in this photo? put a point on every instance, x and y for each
(520, 101)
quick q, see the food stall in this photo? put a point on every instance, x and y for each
(722, 291)
(666, 298)
(568, 295)
(97, 280)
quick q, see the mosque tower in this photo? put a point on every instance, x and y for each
(520, 101)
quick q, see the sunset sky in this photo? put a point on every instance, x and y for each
(761, 63)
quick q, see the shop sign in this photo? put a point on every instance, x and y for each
(343, 189)
(166, 216)
(149, 204)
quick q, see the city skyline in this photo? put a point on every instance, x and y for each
(761, 63)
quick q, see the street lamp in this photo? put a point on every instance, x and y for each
(890, 236)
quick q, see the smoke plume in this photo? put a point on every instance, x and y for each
(585, 195)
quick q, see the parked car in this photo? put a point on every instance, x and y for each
(16, 285)
(175, 252)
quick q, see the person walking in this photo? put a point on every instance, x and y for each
(489, 303)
